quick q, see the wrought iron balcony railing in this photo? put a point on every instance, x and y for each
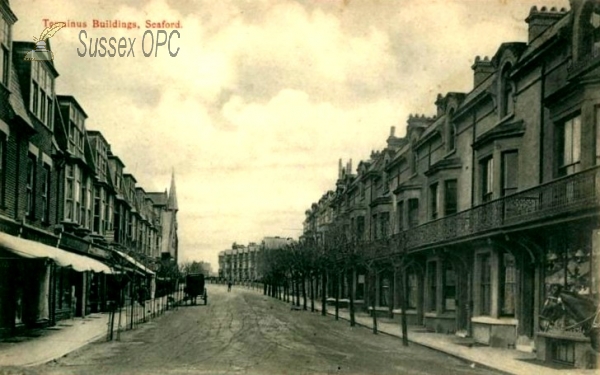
(561, 197)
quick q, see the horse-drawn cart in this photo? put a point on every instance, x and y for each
(194, 287)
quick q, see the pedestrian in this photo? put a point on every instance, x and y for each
(229, 286)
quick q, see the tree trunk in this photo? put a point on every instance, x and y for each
(404, 302)
(373, 301)
(297, 291)
(312, 293)
(265, 287)
(324, 293)
(304, 304)
(391, 291)
(337, 295)
(352, 284)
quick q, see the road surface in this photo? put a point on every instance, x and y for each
(244, 332)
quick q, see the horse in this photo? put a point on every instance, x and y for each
(567, 310)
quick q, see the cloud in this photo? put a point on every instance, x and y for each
(265, 96)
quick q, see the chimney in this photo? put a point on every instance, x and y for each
(482, 68)
(540, 20)
(440, 105)
(393, 131)
(340, 170)
(349, 167)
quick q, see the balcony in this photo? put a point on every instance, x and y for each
(567, 196)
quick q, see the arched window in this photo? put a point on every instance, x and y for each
(506, 92)
(451, 131)
(591, 30)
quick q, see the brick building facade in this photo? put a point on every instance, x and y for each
(75, 231)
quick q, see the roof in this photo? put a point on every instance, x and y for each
(172, 202)
(71, 99)
(159, 199)
(15, 100)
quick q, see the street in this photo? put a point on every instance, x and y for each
(244, 332)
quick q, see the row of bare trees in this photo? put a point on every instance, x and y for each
(337, 258)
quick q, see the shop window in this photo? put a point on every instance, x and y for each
(569, 146)
(413, 212)
(485, 283)
(432, 286)
(510, 172)
(450, 197)
(449, 287)
(487, 179)
(433, 201)
(508, 284)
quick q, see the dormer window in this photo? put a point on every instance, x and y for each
(506, 92)
(592, 31)
(450, 132)
(76, 128)
(4, 50)
(40, 103)
(414, 160)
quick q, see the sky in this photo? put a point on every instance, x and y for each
(265, 96)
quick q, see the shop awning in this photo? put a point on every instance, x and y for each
(31, 249)
(139, 265)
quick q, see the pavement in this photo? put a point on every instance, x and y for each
(503, 360)
(67, 336)
(45, 345)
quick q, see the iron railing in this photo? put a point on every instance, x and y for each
(561, 197)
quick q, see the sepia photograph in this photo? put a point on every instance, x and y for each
(299, 187)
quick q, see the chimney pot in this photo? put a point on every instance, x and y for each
(392, 131)
(541, 20)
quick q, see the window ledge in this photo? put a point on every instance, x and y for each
(450, 153)
(564, 336)
(379, 308)
(506, 118)
(408, 312)
(495, 321)
(444, 315)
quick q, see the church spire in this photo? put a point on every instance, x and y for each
(172, 203)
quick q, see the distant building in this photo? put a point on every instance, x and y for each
(241, 263)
